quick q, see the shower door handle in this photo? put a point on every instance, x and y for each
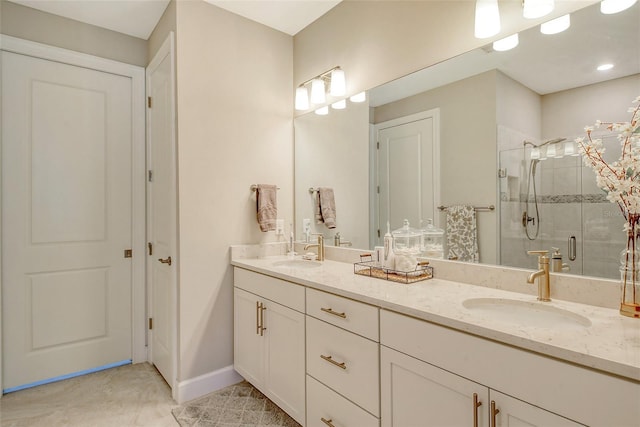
(572, 248)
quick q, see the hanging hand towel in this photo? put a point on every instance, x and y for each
(266, 198)
(462, 233)
(327, 206)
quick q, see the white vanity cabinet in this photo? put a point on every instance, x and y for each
(269, 343)
(429, 374)
(342, 362)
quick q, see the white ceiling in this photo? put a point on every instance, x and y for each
(138, 18)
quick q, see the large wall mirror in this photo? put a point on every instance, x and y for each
(475, 112)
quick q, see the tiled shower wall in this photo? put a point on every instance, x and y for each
(569, 204)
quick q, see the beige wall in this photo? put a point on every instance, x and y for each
(166, 24)
(333, 151)
(518, 107)
(566, 113)
(378, 41)
(235, 129)
(31, 24)
(467, 147)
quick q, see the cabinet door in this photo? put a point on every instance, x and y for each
(248, 345)
(417, 394)
(516, 413)
(285, 358)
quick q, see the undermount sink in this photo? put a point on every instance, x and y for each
(297, 263)
(526, 313)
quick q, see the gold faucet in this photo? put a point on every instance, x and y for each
(544, 293)
(319, 245)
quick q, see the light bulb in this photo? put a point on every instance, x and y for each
(340, 105)
(317, 91)
(604, 67)
(338, 83)
(614, 6)
(537, 8)
(487, 19)
(506, 43)
(322, 111)
(551, 151)
(359, 97)
(556, 26)
(570, 149)
(535, 153)
(302, 98)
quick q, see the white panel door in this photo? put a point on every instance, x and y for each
(407, 173)
(66, 219)
(161, 223)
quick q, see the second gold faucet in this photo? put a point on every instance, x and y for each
(544, 291)
(319, 245)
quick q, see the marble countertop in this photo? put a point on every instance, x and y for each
(611, 343)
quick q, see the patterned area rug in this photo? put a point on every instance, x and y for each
(239, 405)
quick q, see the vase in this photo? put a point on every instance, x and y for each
(630, 270)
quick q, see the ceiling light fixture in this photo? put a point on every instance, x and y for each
(487, 19)
(604, 67)
(532, 9)
(535, 153)
(609, 7)
(333, 79)
(359, 97)
(506, 43)
(556, 26)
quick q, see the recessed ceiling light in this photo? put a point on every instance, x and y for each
(605, 67)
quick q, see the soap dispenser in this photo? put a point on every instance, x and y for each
(556, 262)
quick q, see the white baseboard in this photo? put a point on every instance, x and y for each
(204, 384)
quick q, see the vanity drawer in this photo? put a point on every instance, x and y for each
(324, 403)
(283, 292)
(345, 362)
(348, 314)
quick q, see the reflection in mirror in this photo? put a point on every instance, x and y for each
(489, 103)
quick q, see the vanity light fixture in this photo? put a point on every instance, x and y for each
(551, 151)
(302, 98)
(609, 7)
(317, 91)
(359, 97)
(604, 67)
(570, 149)
(322, 111)
(532, 9)
(535, 153)
(487, 19)
(506, 43)
(338, 83)
(556, 26)
(340, 105)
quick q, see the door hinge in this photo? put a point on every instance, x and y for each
(150, 176)
(378, 145)
(149, 101)
(150, 323)
(128, 253)
(378, 189)
(150, 246)
(378, 233)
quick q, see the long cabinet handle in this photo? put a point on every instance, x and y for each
(341, 365)
(572, 248)
(258, 317)
(262, 328)
(328, 422)
(476, 405)
(335, 313)
(494, 411)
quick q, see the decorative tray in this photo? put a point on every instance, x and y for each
(375, 269)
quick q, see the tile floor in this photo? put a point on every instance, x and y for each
(132, 395)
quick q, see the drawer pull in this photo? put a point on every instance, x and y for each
(327, 422)
(329, 359)
(476, 405)
(494, 411)
(335, 313)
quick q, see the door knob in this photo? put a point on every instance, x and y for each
(165, 261)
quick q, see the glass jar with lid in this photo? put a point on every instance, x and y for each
(432, 244)
(406, 247)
